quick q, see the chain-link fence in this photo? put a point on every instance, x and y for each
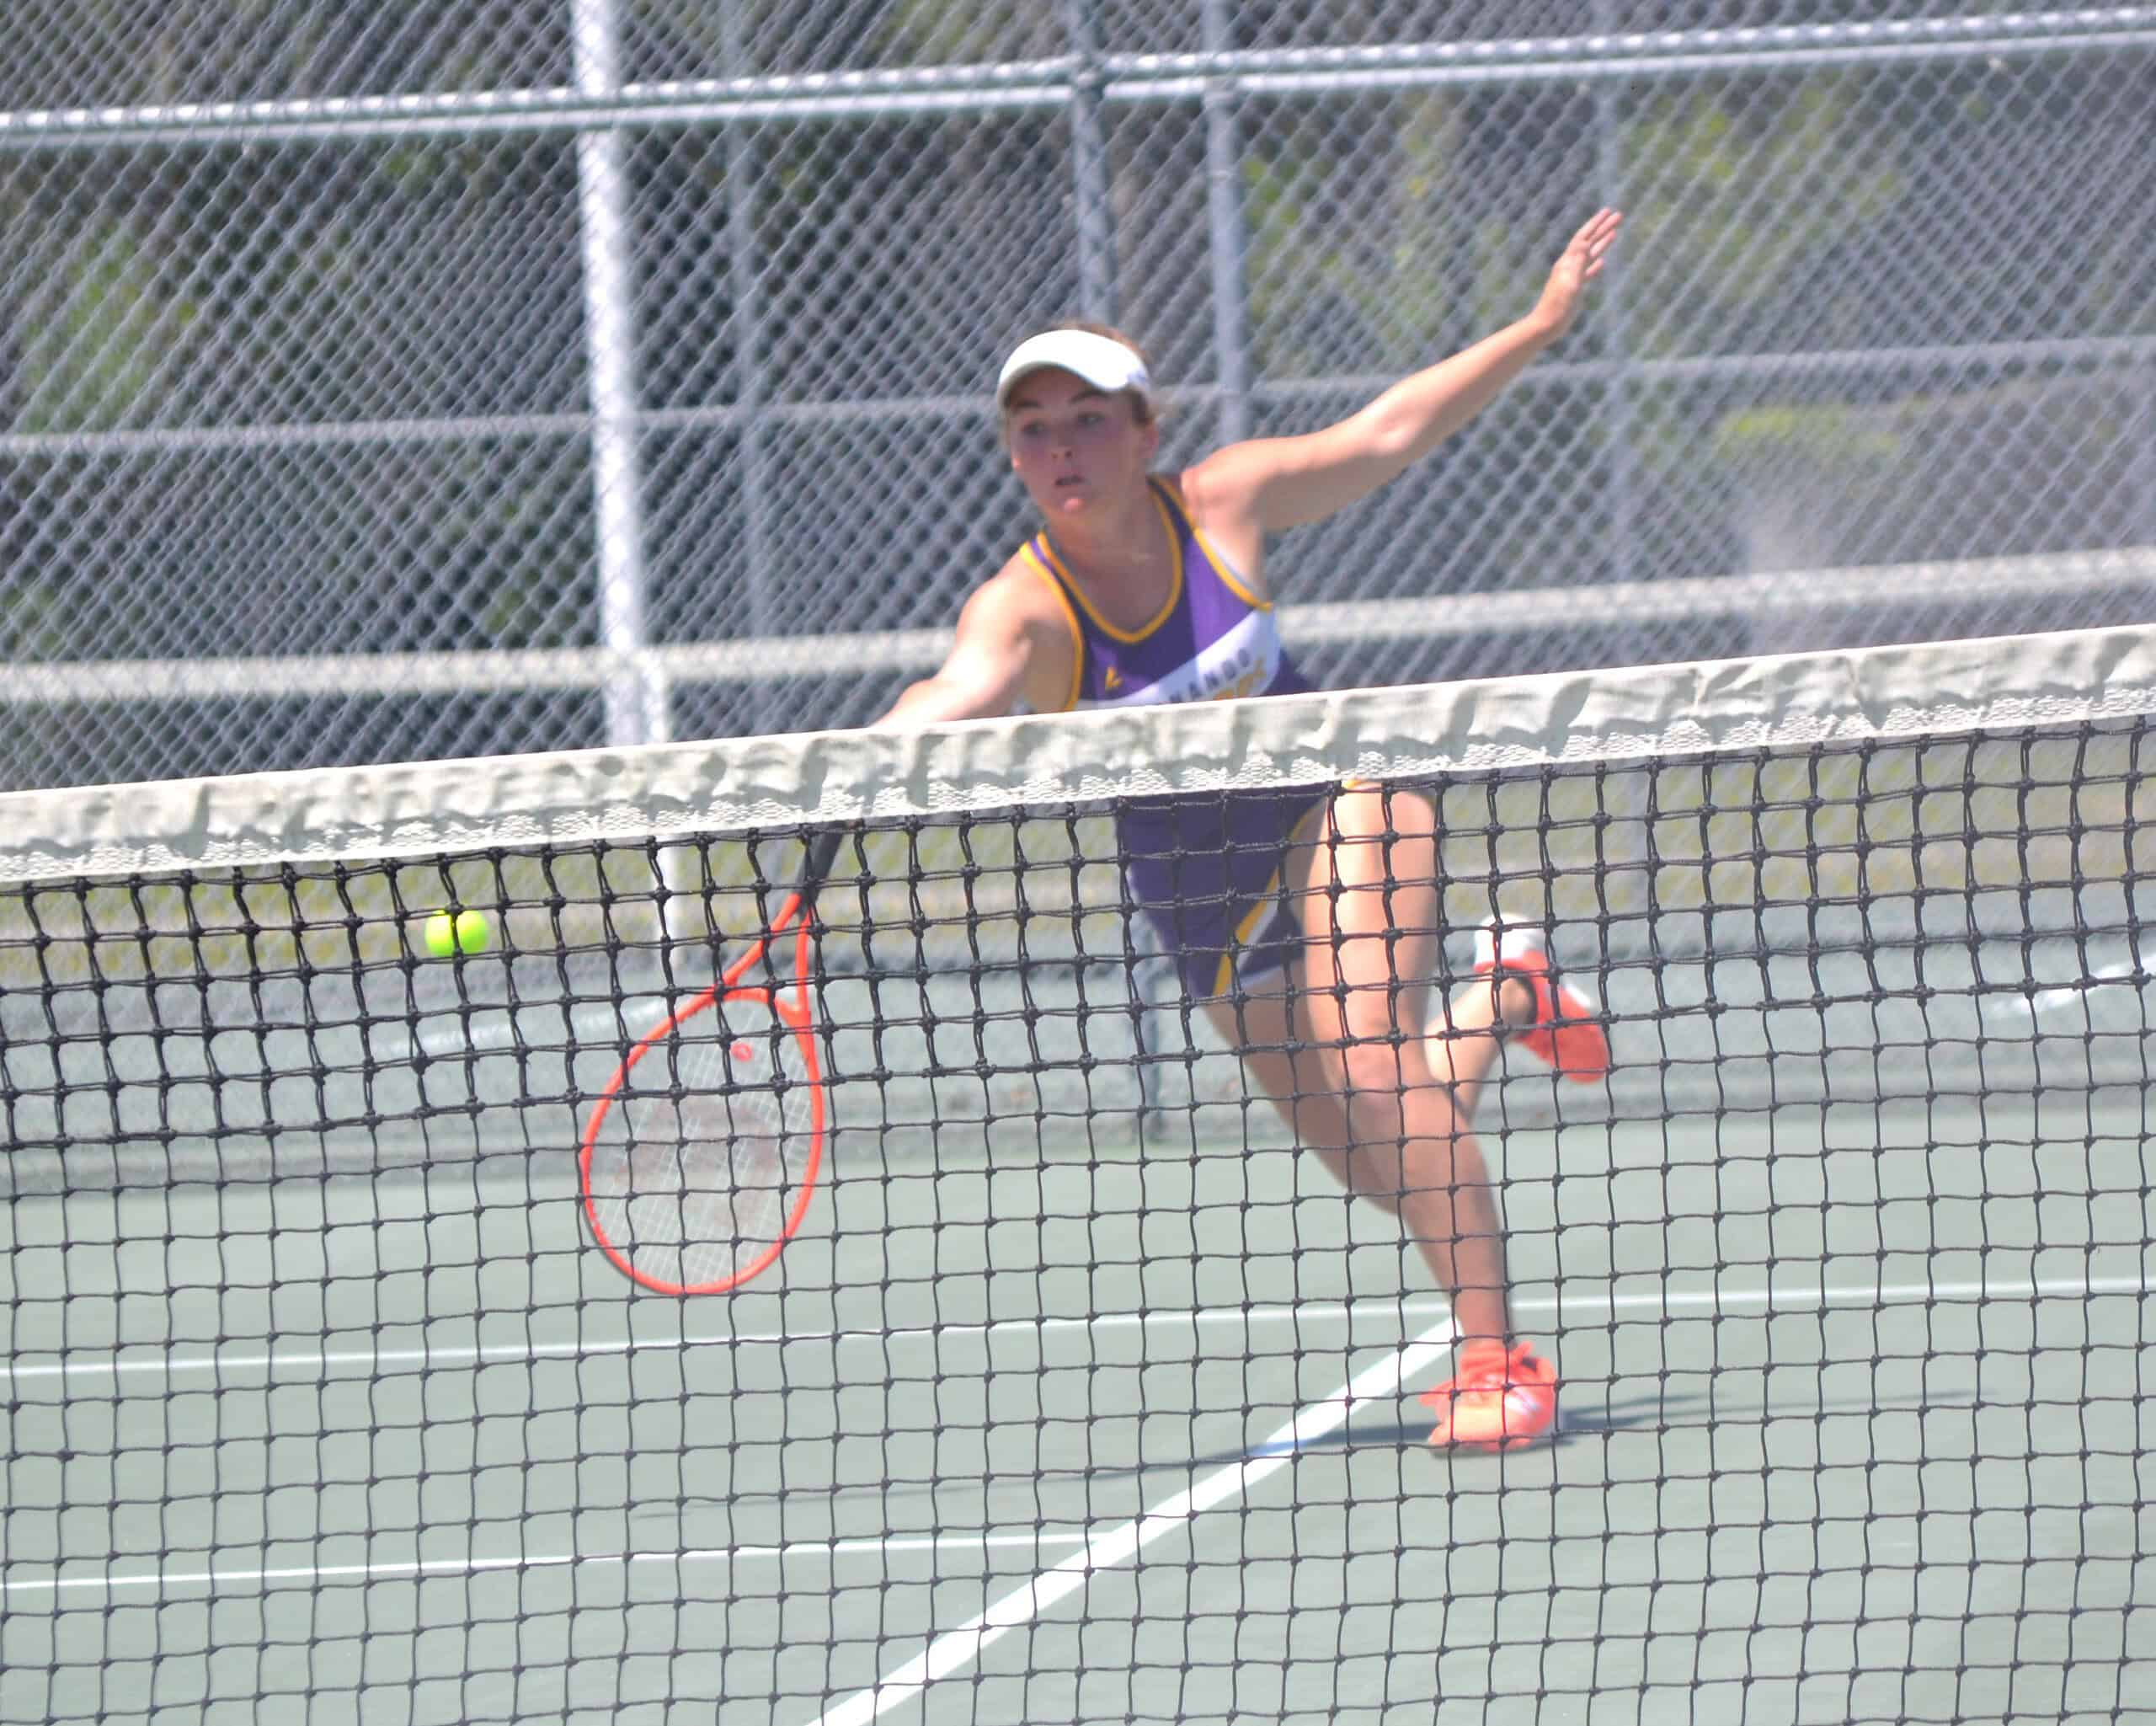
(411, 380)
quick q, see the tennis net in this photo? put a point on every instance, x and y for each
(1081, 1391)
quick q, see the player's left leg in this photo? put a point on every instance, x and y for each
(1338, 1043)
(1362, 881)
(1263, 1022)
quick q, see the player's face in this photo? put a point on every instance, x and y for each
(1076, 447)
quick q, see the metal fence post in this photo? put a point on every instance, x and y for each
(1091, 181)
(635, 694)
(1224, 208)
(744, 163)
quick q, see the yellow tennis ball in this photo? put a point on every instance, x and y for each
(464, 931)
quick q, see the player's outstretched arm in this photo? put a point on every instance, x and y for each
(1013, 649)
(1270, 484)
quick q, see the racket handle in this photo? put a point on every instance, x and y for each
(817, 857)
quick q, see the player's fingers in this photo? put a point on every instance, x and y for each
(1598, 230)
(1595, 241)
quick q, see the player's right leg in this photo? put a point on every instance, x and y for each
(1503, 1397)
(1550, 1016)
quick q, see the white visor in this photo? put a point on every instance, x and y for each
(1105, 364)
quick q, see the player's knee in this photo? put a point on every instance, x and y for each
(1392, 1092)
(1377, 1065)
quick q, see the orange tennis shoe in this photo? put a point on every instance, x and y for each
(1499, 1400)
(1567, 1029)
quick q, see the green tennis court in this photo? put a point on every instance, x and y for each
(1854, 1428)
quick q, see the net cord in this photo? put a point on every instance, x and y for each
(673, 791)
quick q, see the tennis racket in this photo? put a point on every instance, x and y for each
(701, 1155)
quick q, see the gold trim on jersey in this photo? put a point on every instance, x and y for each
(1129, 638)
(1223, 566)
(1226, 569)
(1265, 902)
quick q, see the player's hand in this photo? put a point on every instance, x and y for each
(1577, 266)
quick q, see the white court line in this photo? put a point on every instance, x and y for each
(955, 1649)
(1781, 1296)
(1108, 1549)
(2027, 1007)
(879, 1547)
(1291, 1437)
(2005, 1000)
(466, 1355)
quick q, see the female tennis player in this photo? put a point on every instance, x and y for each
(1290, 916)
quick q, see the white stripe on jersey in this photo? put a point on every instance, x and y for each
(1244, 662)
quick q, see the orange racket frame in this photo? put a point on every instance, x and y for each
(795, 1014)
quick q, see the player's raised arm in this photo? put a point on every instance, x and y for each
(1013, 651)
(1266, 484)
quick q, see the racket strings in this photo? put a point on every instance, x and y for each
(698, 1172)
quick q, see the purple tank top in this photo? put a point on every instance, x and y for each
(1211, 640)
